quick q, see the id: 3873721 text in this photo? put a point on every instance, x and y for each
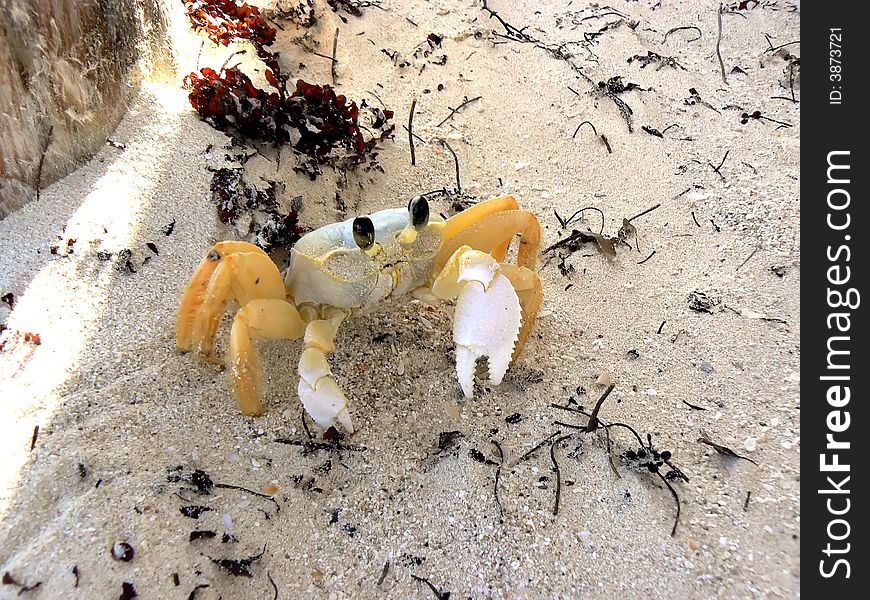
(835, 65)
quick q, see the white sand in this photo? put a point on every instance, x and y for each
(109, 391)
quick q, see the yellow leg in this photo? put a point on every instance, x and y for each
(258, 319)
(493, 233)
(230, 269)
(194, 293)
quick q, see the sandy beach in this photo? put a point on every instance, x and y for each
(695, 320)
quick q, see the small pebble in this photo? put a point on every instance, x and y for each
(122, 551)
(750, 444)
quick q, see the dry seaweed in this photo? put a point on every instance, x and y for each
(231, 193)
(128, 591)
(561, 52)
(756, 115)
(225, 21)
(353, 7)
(312, 118)
(572, 243)
(646, 458)
(653, 57)
(193, 511)
(238, 567)
(702, 302)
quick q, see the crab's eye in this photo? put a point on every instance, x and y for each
(364, 232)
(418, 212)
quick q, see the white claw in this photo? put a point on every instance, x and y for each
(465, 362)
(326, 403)
(320, 394)
(486, 323)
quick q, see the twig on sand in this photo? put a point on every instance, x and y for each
(686, 28)
(640, 214)
(560, 52)
(558, 472)
(274, 585)
(411, 131)
(384, 573)
(498, 475)
(581, 125)
(334, 59)
(538, 446)
(718, 43)
(563, 223)
(748, 258)
(456, 162)
(676, 499)
(453, 111)
(229, 486)
(438, 594)
(592, 425)
(722, 162)
(229, 58)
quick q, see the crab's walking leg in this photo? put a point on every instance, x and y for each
(258, 319)
(320, 394)
(229, 269)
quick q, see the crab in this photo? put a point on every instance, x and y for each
(346, 268)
